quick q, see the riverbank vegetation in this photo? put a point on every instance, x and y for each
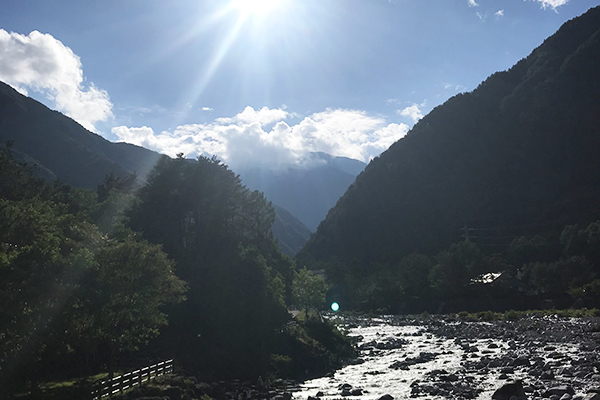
(183, 267)
(557, 271)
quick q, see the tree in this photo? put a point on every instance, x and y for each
(413, 274)
(131, 282)
(43, 254)
(308, 290)
(554, 279)
(455, 268)
(219, 234)
(66, 289)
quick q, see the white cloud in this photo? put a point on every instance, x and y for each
(413, 112)
(42, 63)
(263, 116)
(242, 140)
(554, 4)
(473, 3)
(207, 109)
(499, 13)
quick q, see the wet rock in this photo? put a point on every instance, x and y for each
(547, 376)
(559, 391)
(173, 392)
(510, 390)
(452, 378)
(591, 396)
(356, 361)
(521, 361)
(320, 394)
(390, 397)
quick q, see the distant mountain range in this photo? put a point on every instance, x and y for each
(308, 193)
(520, 155)
(62, 149)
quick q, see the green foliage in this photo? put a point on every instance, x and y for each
(455, 268)
(524, 250)
(219, 234)
(133, 281)
(556, 278)
(308, 290)
(413, 274)
(315, 346)
(67, 290)
(17, 181)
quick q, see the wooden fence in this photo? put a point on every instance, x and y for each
(120, 383)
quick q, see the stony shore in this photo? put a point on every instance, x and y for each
(533, 358)
(538, 357)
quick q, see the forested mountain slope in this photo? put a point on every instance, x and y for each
(518, 155)
(60, 148)
(63, 149)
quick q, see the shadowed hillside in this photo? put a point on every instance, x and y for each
(517, 156)
(63, 149)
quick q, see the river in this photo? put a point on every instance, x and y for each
(410, 359)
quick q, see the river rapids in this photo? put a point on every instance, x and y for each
(444, 358)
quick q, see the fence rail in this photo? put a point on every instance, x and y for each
(120, 383)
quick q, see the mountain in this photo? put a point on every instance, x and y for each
(291, 234)
(60, 148)
(63, 149)
(306, 192)
(516, 156)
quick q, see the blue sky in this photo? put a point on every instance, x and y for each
(263, 82)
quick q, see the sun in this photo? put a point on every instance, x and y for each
(256, 7)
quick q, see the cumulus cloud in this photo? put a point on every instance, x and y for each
(554, 4)
(263, 116)
(207, 109)
(499, 13)
(44, 64)
(473, 3)
(244, 140)
(413, 112)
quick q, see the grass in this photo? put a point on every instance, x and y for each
(72, 382)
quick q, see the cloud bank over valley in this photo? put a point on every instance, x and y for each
(273, 138)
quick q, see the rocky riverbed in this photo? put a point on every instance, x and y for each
(435, 357)
(442, 357)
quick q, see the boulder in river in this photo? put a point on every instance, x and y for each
(508, 390)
